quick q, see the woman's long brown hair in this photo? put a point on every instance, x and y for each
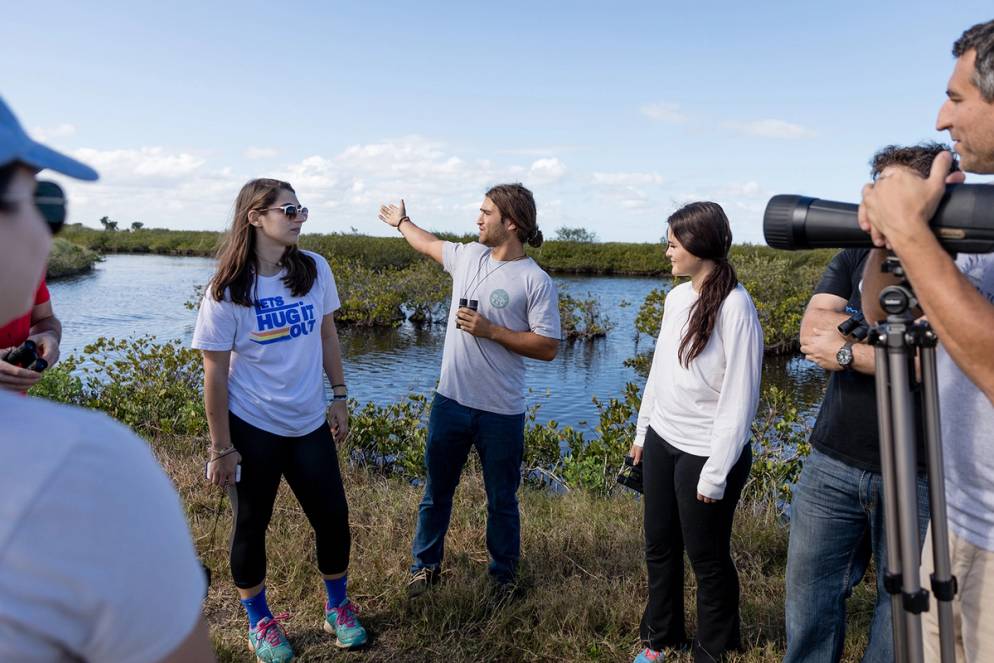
(703, 230)
(236, 271)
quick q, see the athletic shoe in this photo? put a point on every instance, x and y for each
(343, 622)
(649, 656)
(268, 641)
(421, 581)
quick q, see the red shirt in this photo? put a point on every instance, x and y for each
(16, 331)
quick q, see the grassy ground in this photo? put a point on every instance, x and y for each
(582, 577)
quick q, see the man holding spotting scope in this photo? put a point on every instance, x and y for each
(958, 299)
(837, 512)
(507, 310)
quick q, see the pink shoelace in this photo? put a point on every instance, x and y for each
(269, 629)
(347, 614)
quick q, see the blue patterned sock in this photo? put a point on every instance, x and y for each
(336, 591)
(257, 608)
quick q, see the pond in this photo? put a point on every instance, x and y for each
(136, 295)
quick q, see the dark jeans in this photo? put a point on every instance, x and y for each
(675, 519)
(499, 440)
(310, 465)
(836, 524)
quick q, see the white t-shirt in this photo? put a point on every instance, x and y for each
(96, 562)
(275, 375)
(967, 419)
(516, 294)
(707, 408)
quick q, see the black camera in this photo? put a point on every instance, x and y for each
(964, 222)
(630, 475)
(26, 356)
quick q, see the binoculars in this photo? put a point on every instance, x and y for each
(630, 475)
(26, 356)
(855, 326)
(471, 304)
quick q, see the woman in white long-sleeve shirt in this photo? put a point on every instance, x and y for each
(693, 436)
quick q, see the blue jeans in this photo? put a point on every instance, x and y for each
(836, 524)
(500, 441)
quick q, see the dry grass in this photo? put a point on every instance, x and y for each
(582, 577)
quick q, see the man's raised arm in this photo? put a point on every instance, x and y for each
(420, 240)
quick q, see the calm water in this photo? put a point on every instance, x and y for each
(138, 295)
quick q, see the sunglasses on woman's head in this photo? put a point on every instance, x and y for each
(290, 210)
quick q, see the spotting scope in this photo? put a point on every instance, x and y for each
(964, 222)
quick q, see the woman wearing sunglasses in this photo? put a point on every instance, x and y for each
(39, 324)
(693, 436)
(267, 330)
(96, 561)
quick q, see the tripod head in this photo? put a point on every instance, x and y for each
(902, 308)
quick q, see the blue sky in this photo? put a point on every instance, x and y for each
(613, 113)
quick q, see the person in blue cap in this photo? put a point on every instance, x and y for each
(96, 562)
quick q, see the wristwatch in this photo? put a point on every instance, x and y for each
(844, 356)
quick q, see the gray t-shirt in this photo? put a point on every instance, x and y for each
(516, 294)
(968, 431)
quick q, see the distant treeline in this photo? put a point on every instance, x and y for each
(379, 253)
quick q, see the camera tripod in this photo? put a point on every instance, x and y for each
(897, 341)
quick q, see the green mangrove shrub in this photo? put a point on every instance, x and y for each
(155, 388)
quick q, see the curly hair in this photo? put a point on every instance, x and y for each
(917, 157)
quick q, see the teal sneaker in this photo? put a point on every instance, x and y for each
(268, 641)
(343, 622)
(649, 656)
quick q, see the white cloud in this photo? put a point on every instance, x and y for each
(662, 111)
(442, 185)
(770, 128)
(141, 163)
(632, 191)
(628, 179)
(546, 170)
(255, 153)
(45, 134)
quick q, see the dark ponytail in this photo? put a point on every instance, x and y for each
(703, 230)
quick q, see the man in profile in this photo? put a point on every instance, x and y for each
(837, 514)
(958, 298)
(504, 308)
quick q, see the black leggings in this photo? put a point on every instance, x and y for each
(674, 520)
(310, 465)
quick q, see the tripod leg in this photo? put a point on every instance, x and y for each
(892, 578)
(943, 582)
(902, 419)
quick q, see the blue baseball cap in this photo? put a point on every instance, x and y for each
(17, 146)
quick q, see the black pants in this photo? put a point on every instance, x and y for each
(674, 520)
(310, 465)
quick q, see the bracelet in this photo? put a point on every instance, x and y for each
(226, 452)
(335, 386)
(402, 219)
(339, 397)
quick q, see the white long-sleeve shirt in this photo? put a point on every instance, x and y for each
(707, 408)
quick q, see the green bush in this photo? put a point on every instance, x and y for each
(582, 319)
(68, 259)
(156, 389)
(390, 439)
(780, 444)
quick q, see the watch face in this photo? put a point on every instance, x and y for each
(844, 356)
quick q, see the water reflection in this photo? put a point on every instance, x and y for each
(130, 295)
